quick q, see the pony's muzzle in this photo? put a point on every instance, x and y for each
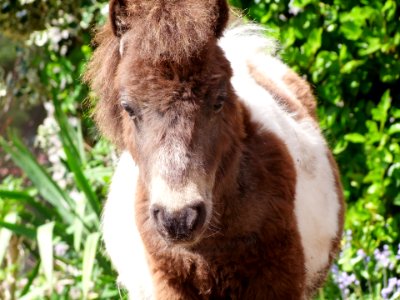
(181, 225)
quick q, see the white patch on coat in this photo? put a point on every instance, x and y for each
(316, 202)
(120, 233)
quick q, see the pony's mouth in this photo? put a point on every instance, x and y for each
(184, 242)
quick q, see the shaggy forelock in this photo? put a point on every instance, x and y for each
(171, 30)
(157, 33)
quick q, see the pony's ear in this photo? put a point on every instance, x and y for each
(223, 16)
(118, 16)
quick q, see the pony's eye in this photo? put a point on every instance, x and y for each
(129, 109)
(218, 107)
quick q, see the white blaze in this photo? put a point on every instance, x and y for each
(175, 199)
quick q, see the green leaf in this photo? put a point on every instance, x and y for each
(78, 226)
(351, 66)
(359, 15)
(389, 9)
(39, 177)
(301, 3)
(351, 30)
(380, 113)
(313, 42)
(393, 129)
(89, 255)
(5, 235)
(340, 146)
(74, 162)
(396, 200)
(29, 200)
(19, 229)
(35, 294)
(31, 276)
(45, 244)
(371, 45)
(355, 138)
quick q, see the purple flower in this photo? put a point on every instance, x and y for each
(382, 257)
(344, 280)
(335, 270)
(61, 249)
(392, 284)
(361, 253)
(385, 293)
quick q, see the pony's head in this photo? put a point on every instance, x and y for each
(166, 96)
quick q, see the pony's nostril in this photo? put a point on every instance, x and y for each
(155, 212)
(191, 218)
(195, 216)
(179, 225)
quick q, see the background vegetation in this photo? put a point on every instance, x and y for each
(54, 170)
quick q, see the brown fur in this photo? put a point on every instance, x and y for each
(100, 74)
(259, 259)
(173, 72)
(172, 30)
(303, 92)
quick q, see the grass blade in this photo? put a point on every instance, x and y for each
(39, 177)
(88, 262)
(30, 201)
(78, 226)
(45, 243)
(74, 160)
(35, 294)
(5, 235)
(44, 213)
(19, 229)
(32, 275)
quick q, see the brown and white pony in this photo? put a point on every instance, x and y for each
(225, 188)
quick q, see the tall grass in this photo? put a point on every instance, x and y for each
(50, 245)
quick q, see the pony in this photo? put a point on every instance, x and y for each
(225, 187)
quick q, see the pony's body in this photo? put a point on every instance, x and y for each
(278, 207)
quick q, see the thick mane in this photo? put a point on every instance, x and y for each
(171, 30)
(100, 74)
